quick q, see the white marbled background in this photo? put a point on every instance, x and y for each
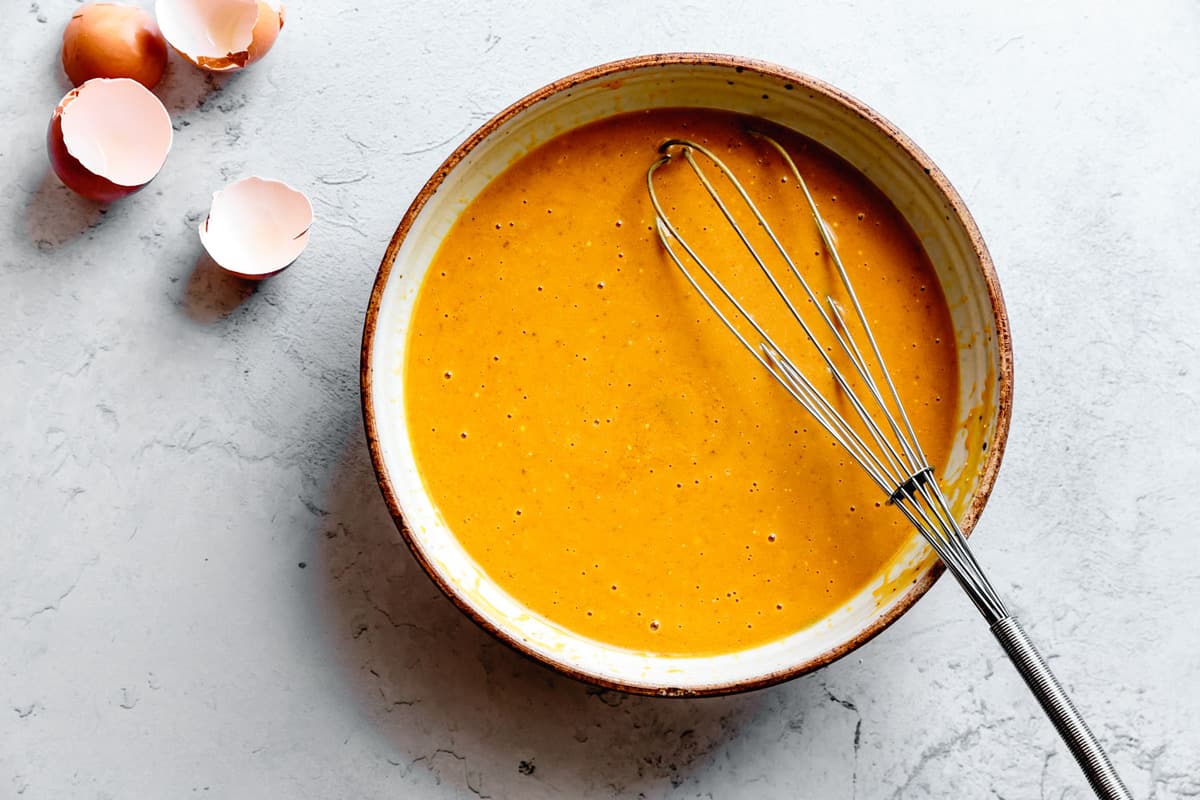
(202, 594)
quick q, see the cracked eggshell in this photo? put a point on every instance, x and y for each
(220, 35)
(256, 227)
(113, 40)
(108, 138)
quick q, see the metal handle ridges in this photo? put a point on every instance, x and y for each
(1061, 711)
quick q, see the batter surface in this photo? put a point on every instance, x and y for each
(603, 448)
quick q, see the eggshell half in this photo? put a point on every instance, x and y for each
(256, 227)
(108, 138)
(220, 35)
(113, 40)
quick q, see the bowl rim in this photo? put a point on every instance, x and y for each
(740, 64)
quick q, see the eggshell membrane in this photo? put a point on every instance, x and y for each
(113, 40)
(220, 35)
(256, 227)
(108, 138)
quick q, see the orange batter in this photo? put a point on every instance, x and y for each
(604, 449)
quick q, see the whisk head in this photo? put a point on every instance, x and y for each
(864, 414)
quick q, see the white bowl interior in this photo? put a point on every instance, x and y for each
(841, 128)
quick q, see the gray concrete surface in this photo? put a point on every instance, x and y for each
(201, 593)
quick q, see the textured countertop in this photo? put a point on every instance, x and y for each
(202, 594)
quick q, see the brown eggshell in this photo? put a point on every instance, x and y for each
(100, 169)
(266, 30)
(74, 175)
(113, 40)
(257, 227)
(220, 35)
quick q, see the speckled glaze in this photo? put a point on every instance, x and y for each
(858, 134)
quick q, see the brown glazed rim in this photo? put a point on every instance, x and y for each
(1004, 344)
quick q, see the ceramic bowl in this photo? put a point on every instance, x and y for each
(881, 152)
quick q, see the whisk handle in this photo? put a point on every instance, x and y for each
(1061, 711)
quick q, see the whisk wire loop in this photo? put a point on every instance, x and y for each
(831, 248)
(890, 465)
(884, 460)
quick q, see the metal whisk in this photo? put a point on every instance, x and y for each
(878, 435)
